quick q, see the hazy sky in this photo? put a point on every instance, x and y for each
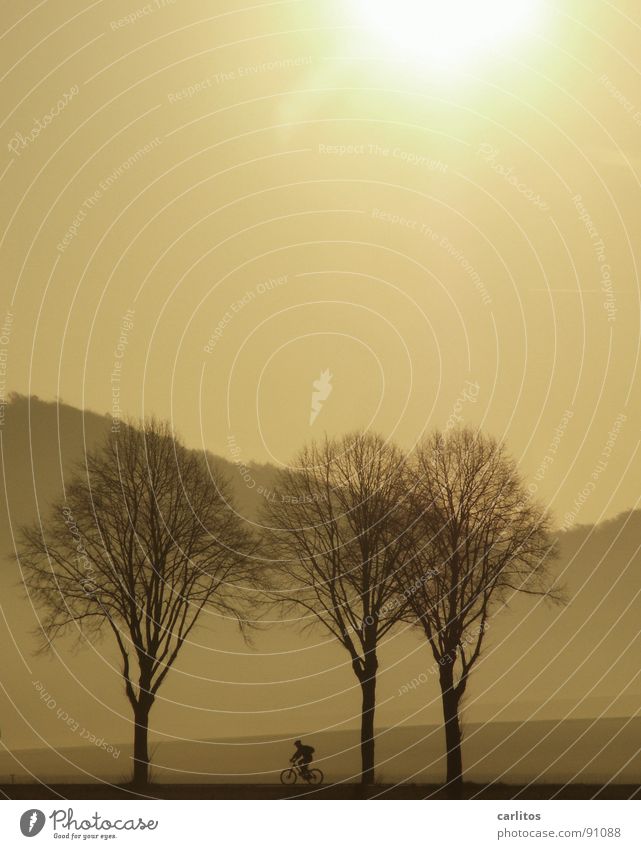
(540, 661)
(252, 196)
(207, 207)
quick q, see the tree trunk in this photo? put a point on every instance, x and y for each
(368, 687)
(141, 754)
(452, 729)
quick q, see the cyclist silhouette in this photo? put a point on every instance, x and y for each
(303, 756)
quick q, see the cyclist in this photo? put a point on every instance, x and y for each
(303, 756)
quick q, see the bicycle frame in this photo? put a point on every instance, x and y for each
(299, 770)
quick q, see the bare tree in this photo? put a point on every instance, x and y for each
(478, 537)
(335, 525)
(144, 541)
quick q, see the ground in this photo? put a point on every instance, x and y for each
(329, 791)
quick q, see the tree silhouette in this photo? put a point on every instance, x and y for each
(144, 541)
(478, 537)
(334, 532)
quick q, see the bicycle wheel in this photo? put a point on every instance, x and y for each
(288, 776)
(315, 776)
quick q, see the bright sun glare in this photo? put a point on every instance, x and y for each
(447, 33)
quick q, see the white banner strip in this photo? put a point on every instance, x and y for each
(321, 824)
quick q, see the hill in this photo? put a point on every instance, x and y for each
(541, 663)
(575, 751)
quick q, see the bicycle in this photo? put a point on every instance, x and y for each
(292, 773)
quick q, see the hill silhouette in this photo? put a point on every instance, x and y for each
(567, 751)
(542, 663)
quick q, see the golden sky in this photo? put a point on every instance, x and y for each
(207, 205)
(245, 217)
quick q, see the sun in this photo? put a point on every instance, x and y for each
(447, 33)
